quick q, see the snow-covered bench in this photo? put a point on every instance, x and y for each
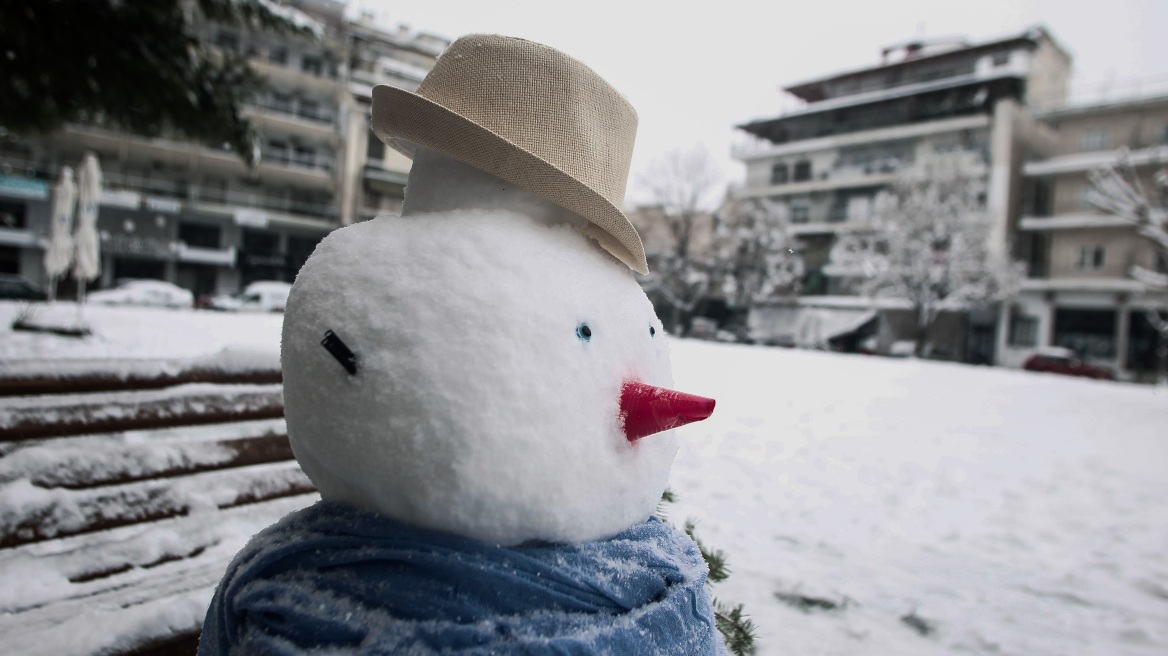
(124, 495)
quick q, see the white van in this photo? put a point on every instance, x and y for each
(261, 296)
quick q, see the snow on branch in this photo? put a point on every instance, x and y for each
(929, 242)
(1116, 190)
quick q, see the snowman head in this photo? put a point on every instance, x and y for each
(491, 353)
(479, 365)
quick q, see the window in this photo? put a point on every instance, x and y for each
(199, 235)
(1090, 258)
(278, 56)
(802, 171)
(1023, 330)
(1095, 139)
(799, 214)
(779, 174)
(12, 215)
(310, 65)
(1000, 58)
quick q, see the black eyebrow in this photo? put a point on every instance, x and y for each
(340, 351)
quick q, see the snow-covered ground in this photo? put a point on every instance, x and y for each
(1006, 512)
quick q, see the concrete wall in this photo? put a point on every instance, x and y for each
(1123, 249)
(1131, 126)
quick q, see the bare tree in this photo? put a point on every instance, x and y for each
(1116, 189)
(930, 245)
(682, 187)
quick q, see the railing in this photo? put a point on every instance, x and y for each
(181, 190)
(288, 109)
(298, 160)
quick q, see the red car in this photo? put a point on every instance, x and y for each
(1059, 360)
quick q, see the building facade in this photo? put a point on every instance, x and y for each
(197, 215)
(827, 161)
(1079, 293)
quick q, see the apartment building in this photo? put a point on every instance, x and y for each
(1079, 293)
(195, 214)
(827, 160)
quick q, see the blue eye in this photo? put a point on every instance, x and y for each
(652, 331)
(584, 332)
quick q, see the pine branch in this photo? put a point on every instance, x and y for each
(715, 559)
(738, 631)
(736, 628)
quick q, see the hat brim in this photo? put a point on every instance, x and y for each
(401, 116)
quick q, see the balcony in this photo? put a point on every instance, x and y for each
(297, 120)
(318, 81)
(297, 168)
(130, 192)
(1071, 222)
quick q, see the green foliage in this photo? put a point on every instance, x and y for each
(738, 631)
(136, 66)
(716, 559)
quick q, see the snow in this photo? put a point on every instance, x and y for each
(132, 334)
(1015, 512)
(484, 411)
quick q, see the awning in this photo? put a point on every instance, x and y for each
(810, 327)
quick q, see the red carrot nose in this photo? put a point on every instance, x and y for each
(647, 409)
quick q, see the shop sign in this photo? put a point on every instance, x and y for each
(163, 204)
(251, 218)
(23, 187)
(150, 247)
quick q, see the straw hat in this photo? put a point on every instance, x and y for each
(529, 115)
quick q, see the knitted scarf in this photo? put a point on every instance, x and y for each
(344, 581)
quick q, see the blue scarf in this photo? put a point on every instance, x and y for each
(346, 581)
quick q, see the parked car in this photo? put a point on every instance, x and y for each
(261, 296)
(1061, 360)
(17, 288)
(153, 293)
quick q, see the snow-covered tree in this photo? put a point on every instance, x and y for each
(757, 259)
(1117, 190)
(930, 243)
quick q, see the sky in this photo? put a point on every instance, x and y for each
(695, 70)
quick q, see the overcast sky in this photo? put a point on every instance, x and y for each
(694, 70)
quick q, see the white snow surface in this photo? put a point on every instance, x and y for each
(478, 407)
(1018, 513)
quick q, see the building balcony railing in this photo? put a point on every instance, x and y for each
(291, 111)
(298, 160)
(131, 191)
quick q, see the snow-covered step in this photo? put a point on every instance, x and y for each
(29, 417)
(80, 463)
(230, 365)
(29, 513)
(167, 572)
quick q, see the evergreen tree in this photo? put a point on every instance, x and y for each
(736, 628)
(136, 66)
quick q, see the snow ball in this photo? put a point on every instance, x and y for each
(481, 405)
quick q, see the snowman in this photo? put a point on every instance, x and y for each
(482, 394)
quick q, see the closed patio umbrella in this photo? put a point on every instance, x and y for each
(59, 251)
(88, 259)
